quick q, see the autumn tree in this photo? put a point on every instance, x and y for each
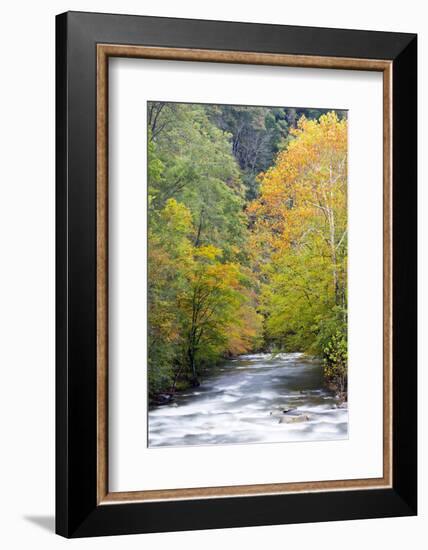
(300, 237)
(200, 283)
(213, 309)
(169, 261)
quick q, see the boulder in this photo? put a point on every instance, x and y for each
(294, 419)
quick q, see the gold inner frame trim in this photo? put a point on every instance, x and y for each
(104, 51)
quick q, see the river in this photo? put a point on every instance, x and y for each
(242, 402)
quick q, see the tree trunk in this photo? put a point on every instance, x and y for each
(191, 355)
(333, 255)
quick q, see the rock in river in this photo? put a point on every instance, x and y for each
(294, 419)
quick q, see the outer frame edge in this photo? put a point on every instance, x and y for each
(405, 501)
(120, 519)
(405, 274)
(61, 266)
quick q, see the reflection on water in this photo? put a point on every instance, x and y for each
(234, 405)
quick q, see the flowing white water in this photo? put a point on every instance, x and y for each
(234, 405)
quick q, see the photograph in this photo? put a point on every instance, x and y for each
(247, 274)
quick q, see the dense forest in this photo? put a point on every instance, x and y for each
(247, 238)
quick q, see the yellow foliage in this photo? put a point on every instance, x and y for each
(306, 188)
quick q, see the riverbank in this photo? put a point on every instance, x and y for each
(184, 385)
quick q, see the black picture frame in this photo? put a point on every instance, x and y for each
(77, 511)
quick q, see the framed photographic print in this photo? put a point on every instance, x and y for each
(236, 274)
